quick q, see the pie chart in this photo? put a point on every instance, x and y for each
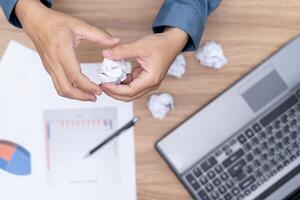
(14, 158)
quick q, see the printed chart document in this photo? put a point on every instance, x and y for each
(70, 135)
(53, 134)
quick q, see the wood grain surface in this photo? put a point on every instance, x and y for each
(249, 32)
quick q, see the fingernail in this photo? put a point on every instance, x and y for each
(107, 53)
(98, 93)
(115, 39)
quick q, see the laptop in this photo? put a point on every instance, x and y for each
(245, 144)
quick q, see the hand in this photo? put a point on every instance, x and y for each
(55, 35)
(154, 55)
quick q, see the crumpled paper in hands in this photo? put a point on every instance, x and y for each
(178, 68)
(211, 55)
(160, 105)
(112, 71)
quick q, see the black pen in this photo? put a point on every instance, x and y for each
(113, 136)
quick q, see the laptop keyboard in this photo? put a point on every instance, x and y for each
(251, 157)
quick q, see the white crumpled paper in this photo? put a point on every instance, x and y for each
(178, 68)
(211, 55)
(112, 71)
(160, 105)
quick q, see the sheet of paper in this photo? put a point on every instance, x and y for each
(74, 132)
(28, 99)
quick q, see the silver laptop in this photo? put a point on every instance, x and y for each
(245, 144)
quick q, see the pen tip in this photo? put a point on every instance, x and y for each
(135, 119)
(87, 155)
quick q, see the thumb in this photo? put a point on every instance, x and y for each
(122, 52)
(95, 34)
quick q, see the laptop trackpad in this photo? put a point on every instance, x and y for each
(264, 91)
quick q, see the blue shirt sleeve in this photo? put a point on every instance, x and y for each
(187, 15)
(8, 9)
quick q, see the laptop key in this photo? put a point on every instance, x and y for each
(214, 194)
(197, 172)
(247, 192)
(237, 168)
(203, 195)
(222, 189)
(234, 157)
(247, 146)
(224, 176)
(228, 196)
(293, 123)
(249, 169)
(284, 118)
(211, 174)
(294, 135)
(235, 191)
(195, 185)
(209, 187)
(242, 139)
(240, 176)
(208, 164)
(249, 133)
(256, 163)
(264, 145)
(286, 129)
(262, 135)
(228, 151)
(256, 127)
(254, 141)
(256, 151)
(271, 140)
(277, 124)
(203, 180)
(190, 178)
(229, 183)
(253, 187)
(291, 113)
(269, 129)
(218, 168)
(216, 182)
(247, 182)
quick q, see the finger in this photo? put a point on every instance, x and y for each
(72, 70)
(66, 89)
(133, 75)
(95, 34)
(123, 51)
(135, 87)
(128, 79)
(128, 99)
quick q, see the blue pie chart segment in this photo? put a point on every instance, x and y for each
(14, 158)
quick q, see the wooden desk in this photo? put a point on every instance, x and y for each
(249, 31)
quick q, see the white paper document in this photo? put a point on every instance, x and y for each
(58, 132)
(71, 133)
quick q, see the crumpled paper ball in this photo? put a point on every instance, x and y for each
(112, 71)
(211, 55)
(178, 67)
(160, 105)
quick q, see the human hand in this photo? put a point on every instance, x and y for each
(154, 55)
(55, 35)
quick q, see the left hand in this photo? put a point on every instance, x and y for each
(154, 55)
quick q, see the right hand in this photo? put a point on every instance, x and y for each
(55, 35)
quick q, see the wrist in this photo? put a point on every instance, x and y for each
(28, 11)
(176, 37)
